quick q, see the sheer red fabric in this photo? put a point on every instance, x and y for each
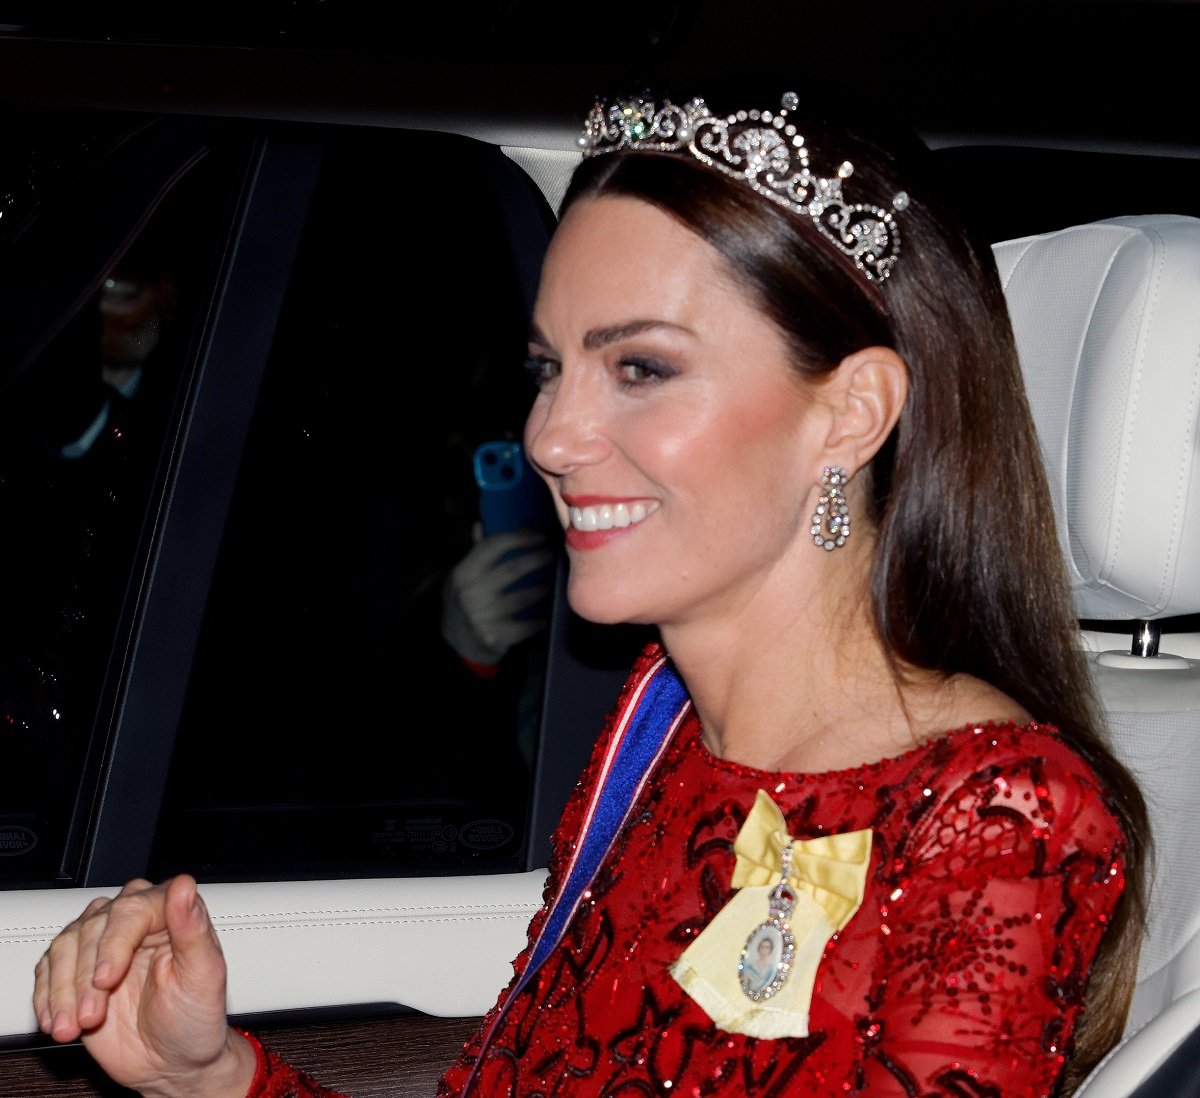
(276, 1078)
(995, 867)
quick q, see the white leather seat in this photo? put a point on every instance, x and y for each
(1107, 317)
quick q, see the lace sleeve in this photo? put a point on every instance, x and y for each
(1001, 896)
(275, 1078)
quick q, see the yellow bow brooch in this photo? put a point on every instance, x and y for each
(753, 967)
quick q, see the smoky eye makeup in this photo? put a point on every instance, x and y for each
(638, 370)
(541, 367)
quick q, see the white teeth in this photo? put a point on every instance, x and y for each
(607, 516)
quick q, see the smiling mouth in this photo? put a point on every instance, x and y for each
(614, 516)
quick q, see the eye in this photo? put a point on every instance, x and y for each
(542, 369)
(637, 371)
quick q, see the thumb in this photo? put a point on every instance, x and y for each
(196, 952)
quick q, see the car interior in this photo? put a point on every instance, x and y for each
(1108, 337)
(344, 894)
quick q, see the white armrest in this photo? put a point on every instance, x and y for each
(442, 945)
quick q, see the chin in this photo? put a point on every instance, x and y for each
(605, 604)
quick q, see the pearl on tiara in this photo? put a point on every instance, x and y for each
(763, 150)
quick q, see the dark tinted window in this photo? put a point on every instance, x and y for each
(111, 230)
(293, 682)
(328, 729)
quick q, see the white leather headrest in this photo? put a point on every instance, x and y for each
(1107, 319)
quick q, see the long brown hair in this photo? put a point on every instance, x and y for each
(968, 576)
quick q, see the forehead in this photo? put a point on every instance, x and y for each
(619, 254)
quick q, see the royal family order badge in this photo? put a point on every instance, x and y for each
(766, 960)
(756, 977)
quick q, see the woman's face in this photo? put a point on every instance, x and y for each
(680, 445)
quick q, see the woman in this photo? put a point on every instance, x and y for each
(770, 425)
(759, 967)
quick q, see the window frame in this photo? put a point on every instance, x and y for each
(165, 605)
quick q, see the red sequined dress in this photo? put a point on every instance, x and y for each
(995, 866)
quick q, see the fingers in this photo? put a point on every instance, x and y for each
(483, 580)
(127, 922)
(511, 603)
(514, 539)
(54, 1001)
(493, 613)
(485, 554)
(507, 572)
(59, 994)
(487, 590)
(90, 956)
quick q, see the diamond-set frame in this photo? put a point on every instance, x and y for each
(780, 903)
(763, 150)
(831, 520)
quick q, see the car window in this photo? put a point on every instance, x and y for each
(329, 729)
(322, 725)
(110, 236)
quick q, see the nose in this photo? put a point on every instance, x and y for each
(565, 429)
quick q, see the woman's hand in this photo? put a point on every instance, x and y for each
(481, 606)
(141, 978)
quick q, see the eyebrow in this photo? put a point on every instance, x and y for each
(596, 338)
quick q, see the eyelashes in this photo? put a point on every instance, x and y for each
(631, 371)
(636, 371)
(542, 369)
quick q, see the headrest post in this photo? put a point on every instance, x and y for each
(1146, 635)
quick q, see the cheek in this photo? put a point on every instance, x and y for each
(748, 450)
(754, 470)
(679, 440)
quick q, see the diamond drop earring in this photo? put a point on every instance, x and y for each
(831, 520)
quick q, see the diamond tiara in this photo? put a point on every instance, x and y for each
(763, 150)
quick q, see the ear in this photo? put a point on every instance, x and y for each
(865, 394)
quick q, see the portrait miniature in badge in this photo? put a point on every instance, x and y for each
(766, 960)
(762, 969)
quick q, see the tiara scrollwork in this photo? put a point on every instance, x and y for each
(763, 150)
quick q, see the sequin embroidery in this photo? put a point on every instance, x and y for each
(995, 869)
(994, 872)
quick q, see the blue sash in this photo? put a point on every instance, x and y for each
(641, 733)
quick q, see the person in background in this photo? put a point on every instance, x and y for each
(79, 430)
(355, 503)
(775, 377)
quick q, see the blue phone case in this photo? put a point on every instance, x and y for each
(511, 494)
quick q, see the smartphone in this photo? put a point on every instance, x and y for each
(513, 497)
(511, 494)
